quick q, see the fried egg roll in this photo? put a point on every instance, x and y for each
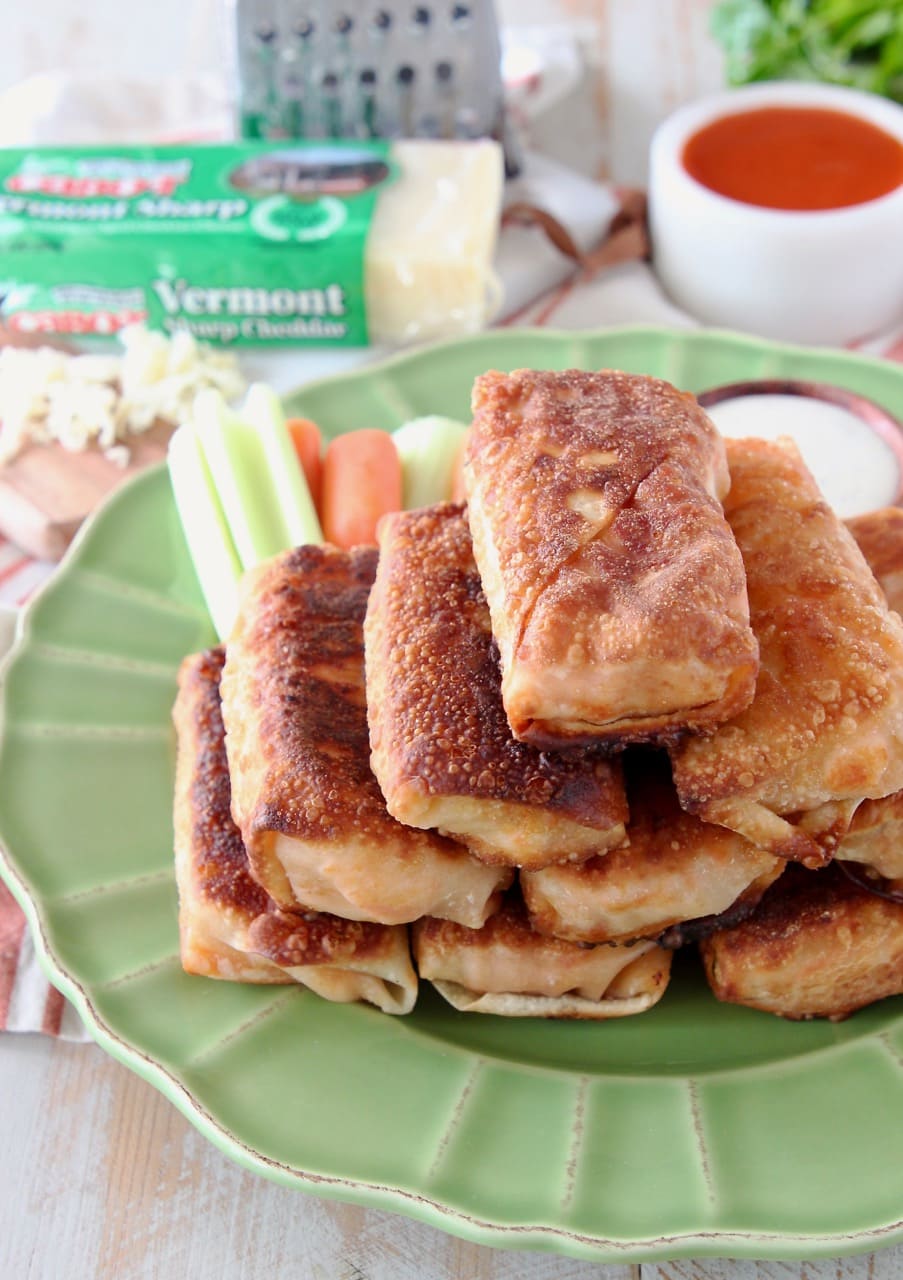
(310, 811)
(674, 869)
(825, 729)
(218, 899)
(507, 968)
(879, 535)
(875, 837)
(442, 748)
(228, 925)
(615, 586)
(817, 946)
(341, 960)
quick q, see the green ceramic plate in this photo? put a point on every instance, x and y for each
(695, 1128)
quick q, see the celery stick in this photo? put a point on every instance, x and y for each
(210, 544)
(263, 410)
(234, 453)
(428, 448)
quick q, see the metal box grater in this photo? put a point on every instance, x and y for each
(315, 69)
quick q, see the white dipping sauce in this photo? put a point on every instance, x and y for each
(854, 467)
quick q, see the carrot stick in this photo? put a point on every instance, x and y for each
(308, 445)
(361, 483)
(458, 492)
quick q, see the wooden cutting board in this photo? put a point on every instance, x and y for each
(46, 491)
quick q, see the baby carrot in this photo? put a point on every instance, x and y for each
(308, 445)
(361, 483)
(458, 492)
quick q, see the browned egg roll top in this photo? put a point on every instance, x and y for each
(616, 588)
(443, 750)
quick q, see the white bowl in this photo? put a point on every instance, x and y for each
(827, 276)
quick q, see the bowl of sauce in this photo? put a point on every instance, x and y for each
(777, 209)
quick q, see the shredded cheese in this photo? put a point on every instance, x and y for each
(101, 401)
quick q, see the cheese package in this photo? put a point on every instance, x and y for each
(337, 242)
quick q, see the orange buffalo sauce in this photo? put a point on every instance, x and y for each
(795, 158)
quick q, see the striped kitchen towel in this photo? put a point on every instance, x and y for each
(28, 1002)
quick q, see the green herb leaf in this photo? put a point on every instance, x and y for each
(856, 43)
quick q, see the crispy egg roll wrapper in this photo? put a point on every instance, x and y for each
(817, 946)
(218, 899)
(825, 729)
(879, 535)
(228, 925)
(674, 869)
(875, 837)
(442, 748)
(507, 968)
(341, 960)
(615, 586)
(310, 811)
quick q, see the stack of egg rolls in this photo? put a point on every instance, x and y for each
(640, 691)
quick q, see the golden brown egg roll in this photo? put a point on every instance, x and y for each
(228, 925)
(218, 899)
(875, 837)
(615, 586)
(310, 811)
(507, 968)
(674, 869)
(879, 535)
(442, 748)
(817, 946)
(825, 729)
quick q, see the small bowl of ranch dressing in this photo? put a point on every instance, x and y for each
(852, 446)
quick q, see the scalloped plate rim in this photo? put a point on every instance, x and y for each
(728, 337)
(597, 1248)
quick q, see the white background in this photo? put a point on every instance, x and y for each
(644, 57)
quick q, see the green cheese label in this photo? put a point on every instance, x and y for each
(251, 242)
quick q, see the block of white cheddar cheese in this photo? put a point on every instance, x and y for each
(336, 241)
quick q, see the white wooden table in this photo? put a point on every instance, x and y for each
(100, 1177)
